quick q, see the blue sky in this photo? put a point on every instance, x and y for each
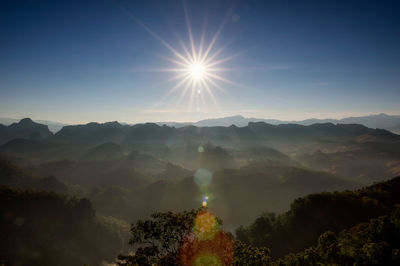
(82, 61)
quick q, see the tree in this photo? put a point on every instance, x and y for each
(158, 240)
(249, 255)
(373, 243)
(45, 228)
(188, 238)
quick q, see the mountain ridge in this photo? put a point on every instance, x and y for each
(26, 129)
(382, 120)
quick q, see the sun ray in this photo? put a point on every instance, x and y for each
(189, 28)
(209, 91)
(185, 49)
(192, 93)
(198, 67)
(180, 84)
(185, 89)
(218, 69)
(215, 54)
(174, 61)
(215, 76)
(202, 38)
(215, 37)
(215, 84)
(225, 59)
(220, 61)
(157, 37)
(178, 77)
(168, 70)
(210, 46)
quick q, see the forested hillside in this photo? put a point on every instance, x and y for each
(311, 216)
(45, 228)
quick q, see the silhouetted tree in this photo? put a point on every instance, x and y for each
(169, 239)
(158, 240)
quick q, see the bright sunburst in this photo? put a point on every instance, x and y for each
(198, 67)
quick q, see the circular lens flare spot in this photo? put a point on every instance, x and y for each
(202, 177)
(195, 251)
(207, 260)
(205, 225)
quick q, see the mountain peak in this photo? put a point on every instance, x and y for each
(236, 116)
(25, 128)
(26, 121)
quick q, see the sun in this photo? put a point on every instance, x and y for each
(197, 71)
(199, 67)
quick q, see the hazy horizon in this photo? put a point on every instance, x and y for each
(194, 121)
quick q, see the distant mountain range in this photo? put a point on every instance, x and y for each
(117, 165)
(52, 125)
(382, 121)
(155, 139)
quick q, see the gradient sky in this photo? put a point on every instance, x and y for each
(82, 61)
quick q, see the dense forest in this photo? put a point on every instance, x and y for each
(46, 228)
(101, 194)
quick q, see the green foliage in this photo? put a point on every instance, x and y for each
(249, 255)
(115, 226)
(311, 216)
(14, 176)
(374, 243)
(158, 240)
(45, 228)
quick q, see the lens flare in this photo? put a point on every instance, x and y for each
(207, 259)
(202, 177)
(207, 244)
(205, 225)
(200, 149)
(218, 251)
